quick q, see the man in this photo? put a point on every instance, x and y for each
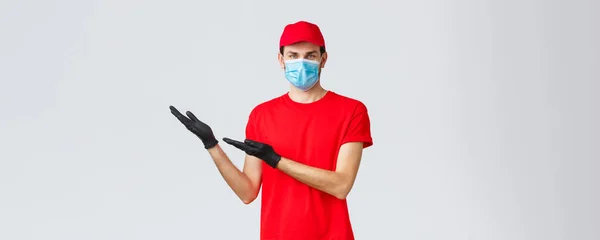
(304, 147)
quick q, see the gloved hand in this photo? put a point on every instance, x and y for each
(260, 150)
(197, 127)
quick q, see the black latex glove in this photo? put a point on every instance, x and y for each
(197, 127)
(257, 149)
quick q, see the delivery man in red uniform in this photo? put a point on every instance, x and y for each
(303, 147)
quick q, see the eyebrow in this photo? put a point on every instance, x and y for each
(308, 53)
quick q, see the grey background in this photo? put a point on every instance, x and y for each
(484, 115)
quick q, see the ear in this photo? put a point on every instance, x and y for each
(323, 59)
(280, 59)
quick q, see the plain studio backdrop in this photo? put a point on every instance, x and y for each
(484, 115)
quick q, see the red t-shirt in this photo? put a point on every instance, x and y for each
(311, 134)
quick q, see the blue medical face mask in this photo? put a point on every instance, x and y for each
(302, 73)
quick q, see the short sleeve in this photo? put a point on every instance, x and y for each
(359, 127)
(251, 126)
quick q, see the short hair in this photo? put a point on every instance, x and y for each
(321, 49)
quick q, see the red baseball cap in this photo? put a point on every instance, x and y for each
(301, 31)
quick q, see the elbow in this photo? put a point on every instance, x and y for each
(247, 201)
(341, 196)
(249, 198)
(250, 194)
(342, 191)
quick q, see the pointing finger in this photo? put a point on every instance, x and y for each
(178, 115)
(253, 143)
(192, 116)
(239, 145)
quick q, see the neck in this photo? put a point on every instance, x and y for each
(312, 95)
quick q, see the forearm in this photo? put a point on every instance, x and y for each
(331, 182)
(236, 179)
